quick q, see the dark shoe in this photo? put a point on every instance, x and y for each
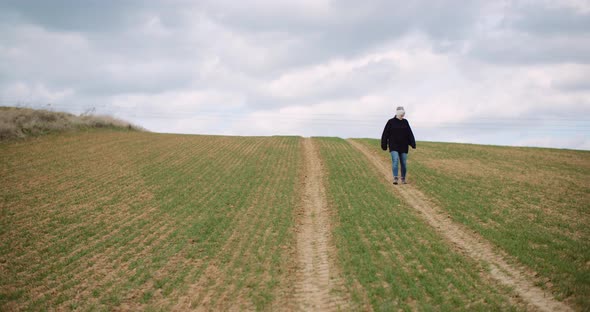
(395, 180)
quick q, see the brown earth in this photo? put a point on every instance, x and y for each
(470, 243)
(318, 286)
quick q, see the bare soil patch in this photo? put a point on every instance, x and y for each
(318, 286)
(470, 243)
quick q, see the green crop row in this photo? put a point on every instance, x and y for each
(105, 220)
(138, 220)
(398, 260)
(532, 203)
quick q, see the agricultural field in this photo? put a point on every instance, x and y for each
(392, 259)
(127, 220)
(532, 203)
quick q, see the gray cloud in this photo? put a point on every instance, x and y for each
(348, 28)
(83, 16)
(523, 49)
(546, 20)
(536, 33)
(574, 85)
(185, 65)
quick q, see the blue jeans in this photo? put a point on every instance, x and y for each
(396, 158)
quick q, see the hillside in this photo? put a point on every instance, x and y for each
(135, 220)
(18, 122)
(532, 204)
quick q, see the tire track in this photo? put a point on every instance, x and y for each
(469, 243)
(317, 276)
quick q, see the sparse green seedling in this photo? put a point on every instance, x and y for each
(395, 258)
(533, 203)
(145, 219)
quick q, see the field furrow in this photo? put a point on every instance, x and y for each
(318, 286)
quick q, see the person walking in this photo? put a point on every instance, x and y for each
(398, 136)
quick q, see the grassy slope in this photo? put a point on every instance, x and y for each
(398, 260)
(19, 123)
(111, 219)
(533, 203)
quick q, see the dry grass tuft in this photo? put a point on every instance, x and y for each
(24, 122)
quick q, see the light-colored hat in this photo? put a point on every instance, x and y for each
(399, 111)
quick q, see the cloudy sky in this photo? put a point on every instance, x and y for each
(489, 72)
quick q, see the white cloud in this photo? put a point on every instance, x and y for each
(23, 94)
(337, 76)
(480, 72)
(178, 103)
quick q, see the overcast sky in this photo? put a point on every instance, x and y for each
(487, 72)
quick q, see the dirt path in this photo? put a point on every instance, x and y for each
(318, 284)
(468, 242)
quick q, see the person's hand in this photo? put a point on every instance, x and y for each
(414, 147)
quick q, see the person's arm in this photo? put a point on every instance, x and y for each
(411, 137)
(385, 137)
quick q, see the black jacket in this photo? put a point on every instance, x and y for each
(398, 135)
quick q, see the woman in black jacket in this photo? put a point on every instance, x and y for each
(398, 136)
